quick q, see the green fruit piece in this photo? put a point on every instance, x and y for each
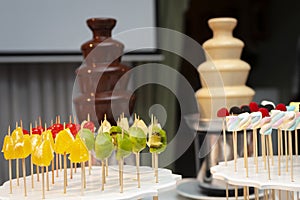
(103, 146)
(115, 130)
(157, 140)
(138, 139)
(124, 146)
(88, 138)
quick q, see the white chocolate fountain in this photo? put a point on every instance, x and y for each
(223, 75)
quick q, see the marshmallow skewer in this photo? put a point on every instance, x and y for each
(245, 121)
(232, 124)
(276, 121)
(255, 124)
(266, 130)
(290, 126)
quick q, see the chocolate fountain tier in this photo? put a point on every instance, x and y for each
(101, 77)
(104, 103)
(102, 48)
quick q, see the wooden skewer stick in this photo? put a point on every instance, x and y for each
(90, 155)
(281, 144)
(227, 193)
(273, 194)
(291, 155)
(17, 171)
(137, 159)
(271, 149)
(279, 194)
(256, 149)
(90, 162)
(269, 173)
(156, 167)
(71, 172)
(9, 167)
(60, 162)
(82, 177)
(236, 192)
(121, 174)
(279, 150)
(225, 151)
(37, 173)
(10, 176)
(246, 152)
(24, 176)
(153, 161)
(47, 179)
(296, 142)
(65, 173)
(263, 150)
(17, 164)
(106, 166)
(286, 151)
(253, 146)
(224, 141)
(120, 169)
(103, 175)
(31, 164)
(71, 164)
(40, 121)
(60, 156)
(52, 170)
(234, 137)
(43, 184)
(56, 163)
(75, 168)
(256, 193)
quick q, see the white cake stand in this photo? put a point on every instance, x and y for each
(149, 188)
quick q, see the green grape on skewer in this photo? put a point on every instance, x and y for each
(105, 127)
(122, 144)
(138, 138)
(103, 149)
(157, 142)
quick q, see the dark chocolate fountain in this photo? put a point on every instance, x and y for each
(99, 74)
